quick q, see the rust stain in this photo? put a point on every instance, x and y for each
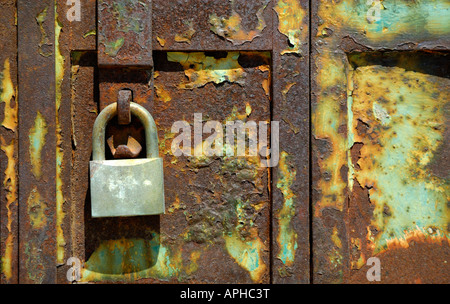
(36, 209)
(186, 36)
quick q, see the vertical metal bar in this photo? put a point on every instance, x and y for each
(8, 146)
(290, 223)
(37, 246)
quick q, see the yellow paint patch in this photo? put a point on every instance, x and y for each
(37, 142)
(335, 238)
(290, 15)
(8, 97)
(327, 118)
(11, 187)
(162, 93)
(161, 41)
(59, 77)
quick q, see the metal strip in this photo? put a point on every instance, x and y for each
(8, 145)
(290, 183)
(37, 142)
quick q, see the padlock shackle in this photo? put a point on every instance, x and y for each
(98, 133)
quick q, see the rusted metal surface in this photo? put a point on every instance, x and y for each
(379, 142)
(37, 142)
(9, 213)
(379, 131)
(214, 25)
(124, 33)
(123, 107)
(193, 206)
(70, 36)
(290, 184)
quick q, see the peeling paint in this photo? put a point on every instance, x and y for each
(231, 28)
(37, 141)
(59, 77)
(418, 19)
(405, 113)
(8, 96)
(327, 119)
(290, 17)
(287, 237)
(40, 19)
(247, 254)
(201, 69)
(11, 187)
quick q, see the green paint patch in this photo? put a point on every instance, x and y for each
(37, 142)
(113, 47)
(287, 237)
(405, 112)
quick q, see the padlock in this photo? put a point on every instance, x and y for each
(126, 187)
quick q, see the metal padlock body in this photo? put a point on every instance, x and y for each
(126, 187)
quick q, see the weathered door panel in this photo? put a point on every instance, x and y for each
(9, 145)
(378, 88)
(220, 210)
(380, 139)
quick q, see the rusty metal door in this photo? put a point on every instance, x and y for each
(365, 82)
